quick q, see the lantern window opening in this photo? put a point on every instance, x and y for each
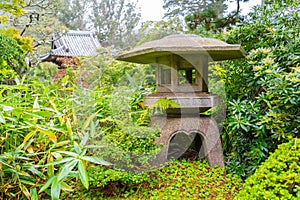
(187, 76)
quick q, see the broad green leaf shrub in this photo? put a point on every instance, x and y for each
(177, 180)
(278, 177)
(262, 90)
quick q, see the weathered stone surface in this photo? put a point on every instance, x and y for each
(204, 125)
(186, 100)
(185, 45)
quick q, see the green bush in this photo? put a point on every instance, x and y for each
(43, 72)
(127, 146)
(12, 57)
(262, 90)
(13, 50)
(278, 177)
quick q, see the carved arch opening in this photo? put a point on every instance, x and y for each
(186, 145)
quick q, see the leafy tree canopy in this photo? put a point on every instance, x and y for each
(12, 7)
(37, 21)
(209, 14)
(73, 14)
(115, 21)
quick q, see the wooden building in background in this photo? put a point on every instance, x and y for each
(66, 49)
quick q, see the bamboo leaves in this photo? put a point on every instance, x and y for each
(40, 145)
(67, 167)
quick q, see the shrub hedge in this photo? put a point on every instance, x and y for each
(278, 177)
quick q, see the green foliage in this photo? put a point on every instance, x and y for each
(11, 7)
(49, 130)
(162, 104)
(43, 72)
(127, 146)
(40, 143)
(277, 177)
(12, 57)
(263, 90)
(178, 180)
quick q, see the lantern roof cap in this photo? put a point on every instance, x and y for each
(182, 44)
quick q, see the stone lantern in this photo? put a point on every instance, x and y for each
(182, 75)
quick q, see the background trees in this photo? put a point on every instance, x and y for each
(205, 14)
(73, 14)
(114, 21)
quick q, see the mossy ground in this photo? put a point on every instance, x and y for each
(178, 180)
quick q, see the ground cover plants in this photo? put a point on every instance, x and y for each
(184, 179)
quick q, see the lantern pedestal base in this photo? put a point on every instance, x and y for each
(188, 126)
